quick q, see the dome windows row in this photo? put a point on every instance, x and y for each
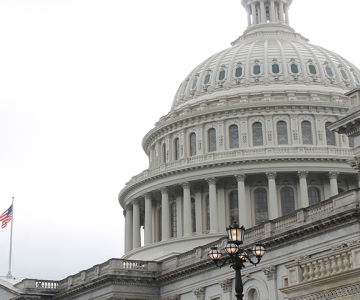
(275, 69)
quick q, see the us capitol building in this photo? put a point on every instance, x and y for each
(261, 133)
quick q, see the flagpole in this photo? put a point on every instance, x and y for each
(11, 231)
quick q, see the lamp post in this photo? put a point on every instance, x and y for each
(237, 256)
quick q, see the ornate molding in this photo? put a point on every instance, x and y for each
(226, 285)
(270, 272)
(302, 174)
(240, 177)
(199, 293)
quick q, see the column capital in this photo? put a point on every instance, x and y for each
(211, 180)
(226, 285)
(271, 175)
(164, 190)
(270, 272)
(147, 196)
(333, 175)
(302, 174)
(240, 177)
(135, 201)
(199, 293)
(129, 206)
(186, 185)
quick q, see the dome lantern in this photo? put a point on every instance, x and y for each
(267, 14)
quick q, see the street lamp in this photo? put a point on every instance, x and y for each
(236, 255)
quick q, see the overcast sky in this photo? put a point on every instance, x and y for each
(81, 83)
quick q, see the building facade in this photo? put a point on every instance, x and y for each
(260, 133)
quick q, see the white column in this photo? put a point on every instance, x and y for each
(244, 203)
(287, 14)
(221, 206)
(214, 223)
(165, 214)
(333, 183)
(253, 11)
(248, 10)
(273, 203)
(272, 11)
(198, 210)
(179, 216)
(262, 12)
(136, 224)
(128, 228)
(187, 209)
(148, 219)
(281, 9)
(304, 198)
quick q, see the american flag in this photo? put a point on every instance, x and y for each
(6, 217)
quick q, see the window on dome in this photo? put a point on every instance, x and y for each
(313, 195)
(261, 207)
(282, 135)
(329, 71)
(193, 215)
(207, 204)
(192, 144)
(312, 69)
(177, 148)
(287, 201)
(222, 75)
(184, 90)
(212, 139)
(207, 79)
(234, 136)
(267, 14)
(173, 220)
(257, 70)
(238, 72)
(344, 75)
(164, 153)
(275, 69)
(257, 134)
(234, 207)
(294, 68)
(306, 133)
(194, 84)
(330, 135)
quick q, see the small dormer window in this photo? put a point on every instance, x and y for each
(194, 84)
(312, 69)
(329, 71)
(294, 68)
(257, 69)
(275, 69)
(207, 79)
(344, 74)
(238, 72)
(222, 75)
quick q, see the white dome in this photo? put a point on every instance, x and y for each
(282, 60)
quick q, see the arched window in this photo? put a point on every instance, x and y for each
(238, 72)
(329, 71)
(160, 223)
(173, 220)
(261, 207)
(222, 75)
(330, 135)
(234, 207)
(234, 136)
(192, 144)
(164, 153)
(344, 74)
(306, 133)
(194, 84)
(294, 68)
(184, 90)
(313, 195)
(287, 201)
(207, 79)
(193, 215)
(207, 204)
(282, 132)
(257, 70)
(312, 69)
(253, 295)
(212, 139)
(275, 69)
(177, 148)
(257, 134)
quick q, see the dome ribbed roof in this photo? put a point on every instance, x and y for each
(269, 56)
